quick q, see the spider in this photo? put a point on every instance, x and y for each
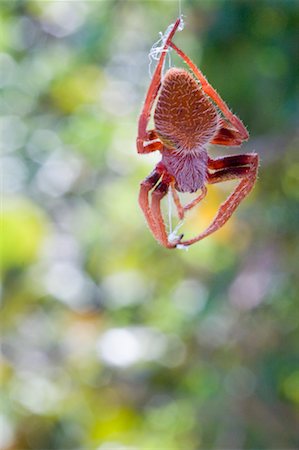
(189, 115)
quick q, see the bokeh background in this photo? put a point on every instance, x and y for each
(109, 341)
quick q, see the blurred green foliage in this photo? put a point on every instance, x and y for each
(111, 342)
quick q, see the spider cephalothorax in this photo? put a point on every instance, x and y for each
(186, 121)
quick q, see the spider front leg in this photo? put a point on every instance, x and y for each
(239, 133)
(150, 143)
(227, 135)
(243, 167)
(143, 146)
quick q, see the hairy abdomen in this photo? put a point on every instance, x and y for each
(184, 117)
(189, 169)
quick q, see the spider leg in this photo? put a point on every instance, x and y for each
(158, 193)
(182, 209)
(196, 200)
(152, 94)
(177, 202)
(158, 181)
(210, 91)
(150, 146)
(225, 135)
(228, 168)
(145, 187)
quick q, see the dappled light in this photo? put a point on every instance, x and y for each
(109, 340)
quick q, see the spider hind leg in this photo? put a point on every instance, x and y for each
(243, 167)
(158, 182)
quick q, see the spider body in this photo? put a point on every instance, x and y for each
(189, 115)
(185, 122)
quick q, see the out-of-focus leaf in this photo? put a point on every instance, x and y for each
(82, 86)
(23, 228)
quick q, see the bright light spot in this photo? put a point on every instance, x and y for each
(61, 247)
(79, 339)
(8, 70)
(112, 445)
(38, 72)
(123, 289)
(119, 347)
(190, 297)
(68, 284)
(124, 347)
(7, 433)
(249, 289)
(214, 331)
(42, 143)
(63, 18)
(13, 99)
(12, 133)
(118, 160)
(118, 98)
(14, 174)
(24, 33)
(36, 393)
(57, 175)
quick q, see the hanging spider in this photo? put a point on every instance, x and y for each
(186, 120)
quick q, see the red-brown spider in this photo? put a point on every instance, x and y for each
(186, 121)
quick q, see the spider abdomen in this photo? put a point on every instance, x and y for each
(188, 169)
(184, 117)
